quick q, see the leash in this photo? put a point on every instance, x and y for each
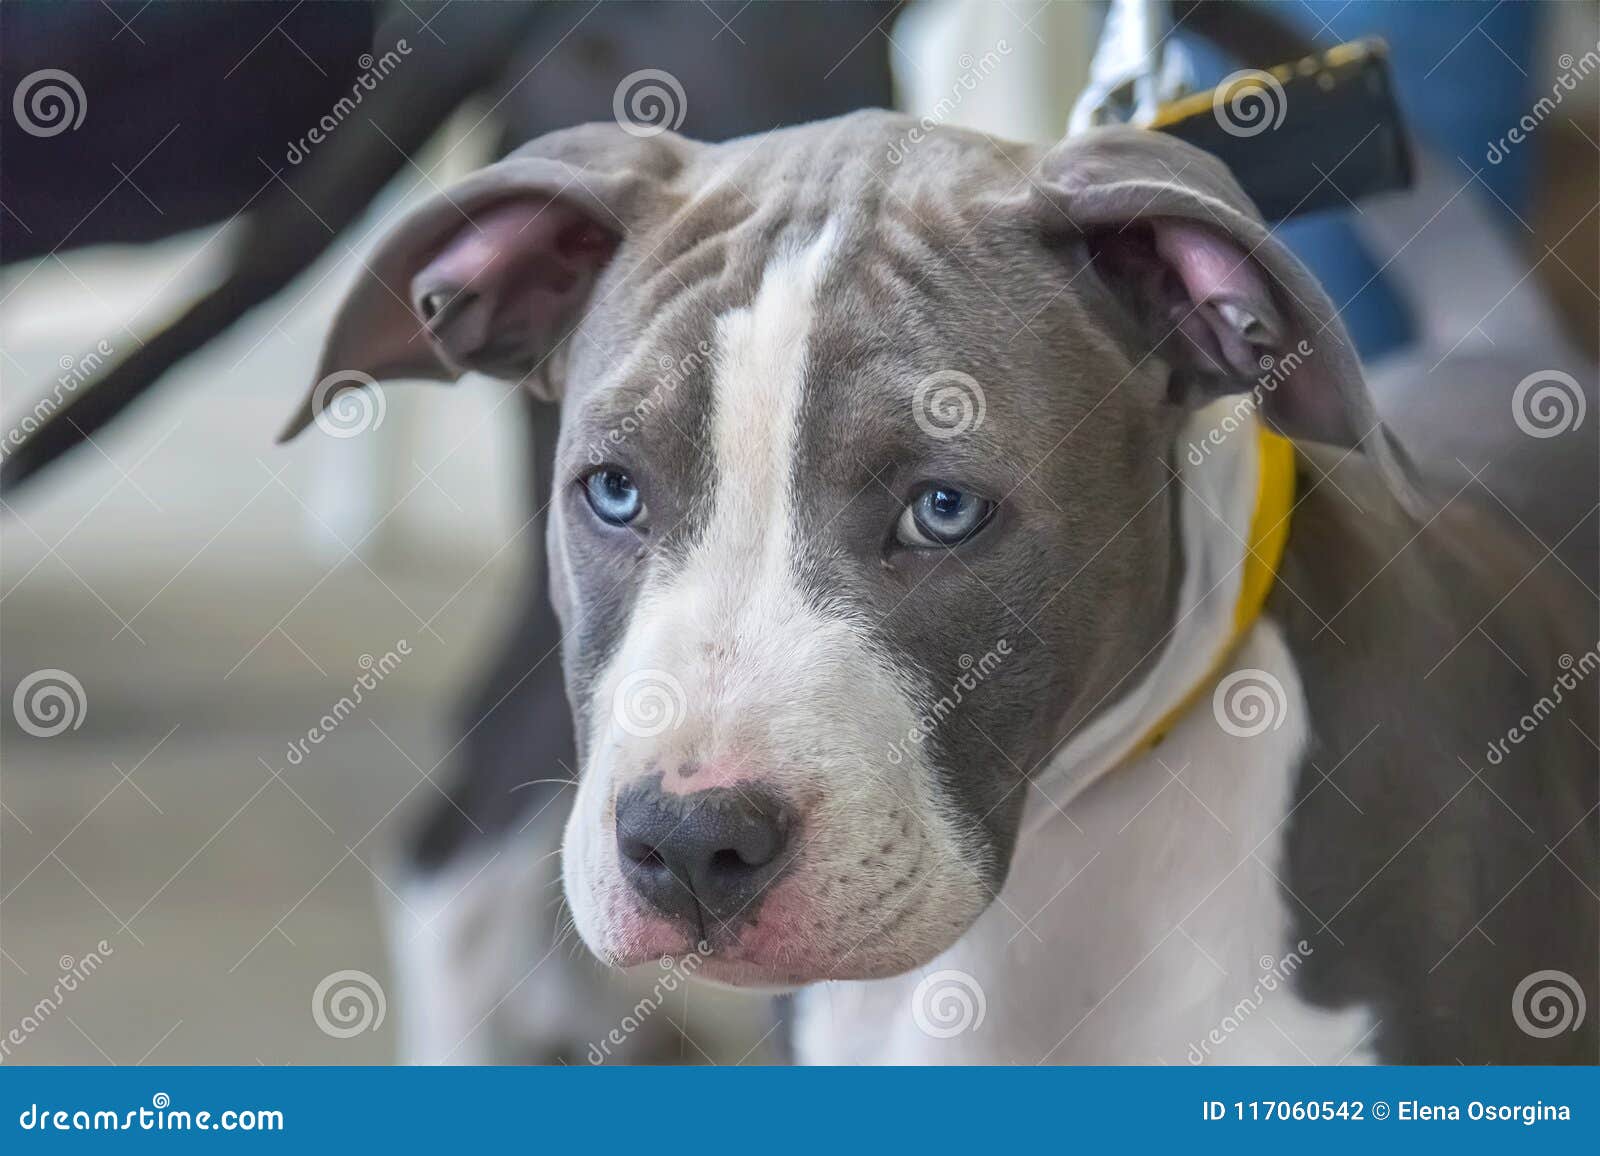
(1279, 130)
(1269, 532)
(1344, 110)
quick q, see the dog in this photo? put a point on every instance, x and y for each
(994, 609)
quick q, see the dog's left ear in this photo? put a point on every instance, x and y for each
(1210, 290)
(493, 275)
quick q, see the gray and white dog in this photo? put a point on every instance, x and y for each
(905, 482)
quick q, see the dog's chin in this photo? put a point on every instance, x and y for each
(732, 967)
(740, 975)
(771, 958)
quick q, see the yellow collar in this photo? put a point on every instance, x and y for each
(1269, 530)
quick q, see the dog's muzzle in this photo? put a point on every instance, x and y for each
(706, 857)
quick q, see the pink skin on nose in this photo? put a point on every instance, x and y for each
(687, 777)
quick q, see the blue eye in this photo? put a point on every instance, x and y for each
(613, 496)
(941, 515)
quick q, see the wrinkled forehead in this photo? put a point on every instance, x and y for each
(878, 316)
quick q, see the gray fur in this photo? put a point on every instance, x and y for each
(974, 255)
(1446, 890)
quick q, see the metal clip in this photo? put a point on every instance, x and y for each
(1136, 67)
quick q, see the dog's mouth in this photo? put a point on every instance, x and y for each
(794, 940)
(764, 870)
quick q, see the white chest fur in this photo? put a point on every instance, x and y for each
(1145, 923)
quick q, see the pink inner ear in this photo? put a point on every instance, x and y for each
(483, 245)
(508, 282)
(1217, 272)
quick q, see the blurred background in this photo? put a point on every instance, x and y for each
(192, 600)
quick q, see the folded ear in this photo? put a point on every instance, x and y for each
(1211, 292)
(493, 274)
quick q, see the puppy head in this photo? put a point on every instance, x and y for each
(864, 491)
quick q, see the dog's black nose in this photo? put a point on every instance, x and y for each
(704, 857)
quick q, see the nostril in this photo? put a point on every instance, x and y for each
(709, 853)
(729, 860)
(640, 851)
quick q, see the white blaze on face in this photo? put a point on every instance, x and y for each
(759, 378)
(772, 688)
(732, 625)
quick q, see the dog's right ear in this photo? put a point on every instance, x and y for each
(493, 274)
(1211, 291)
